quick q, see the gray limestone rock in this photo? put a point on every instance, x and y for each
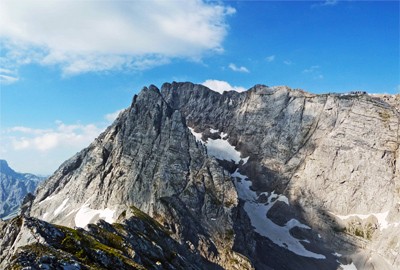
(148, 159)
(332, 155)
(138, 242)
(278, 177)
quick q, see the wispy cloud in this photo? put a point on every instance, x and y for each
(288, 62)
(311, 69)
(314, 71)
(325, 3)
(330, 2)
(221, 86)
(270, 58)
(238, 69)
(109, 35)
(8, 76)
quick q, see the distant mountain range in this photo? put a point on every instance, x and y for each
(188, 178)
(13, 188)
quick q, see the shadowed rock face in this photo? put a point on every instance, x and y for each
(311, 176)
(14, 187)
(331, 155)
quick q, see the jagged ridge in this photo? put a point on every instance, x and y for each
(329, 154)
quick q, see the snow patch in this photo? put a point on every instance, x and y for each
(45, 215)
(214, 130)
(381, 217)
(257, 213)
(196, 135)
(348, 266)
(47, 199)
(383, 224)
(61, 208)
(71, 212)
(220, 148)
(337, 254)
(85, 215)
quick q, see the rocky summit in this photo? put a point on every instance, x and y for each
(188, 178)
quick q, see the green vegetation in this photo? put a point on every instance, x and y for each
(146, 218)
(84, 247)
(39, 250)
(365, 231)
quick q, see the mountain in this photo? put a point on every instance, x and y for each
(13, 188)
(270, 178)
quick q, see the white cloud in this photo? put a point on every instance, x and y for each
(221, 86)
(39, 150)
(270, 58)
(6, 71)
(288, 62)
(84, 36)
(28, 130)
(5, 79)
(238, 69)
(75, 136)
(112, 116)
(8, 76)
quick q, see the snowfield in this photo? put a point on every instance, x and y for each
(220, 148)
(86, 215)
(256, 210)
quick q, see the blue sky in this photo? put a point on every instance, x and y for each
(68, 67)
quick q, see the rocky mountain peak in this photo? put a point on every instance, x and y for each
(311, 180)
(148, 159)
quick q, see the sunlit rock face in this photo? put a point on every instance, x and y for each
(270, 178)
(149, 159)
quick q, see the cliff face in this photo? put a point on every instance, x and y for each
(148, 159)
(333, 156)
(288, 179)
